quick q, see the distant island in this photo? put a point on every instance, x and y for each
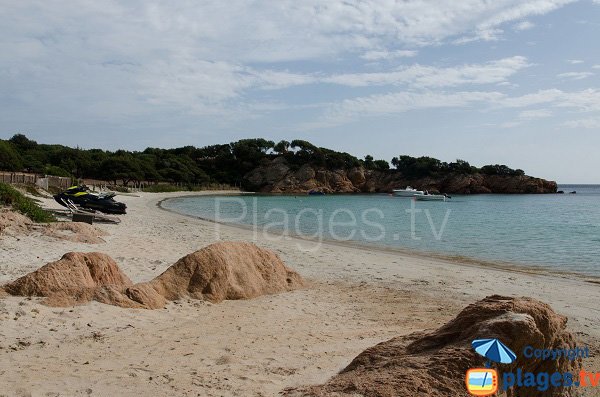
(265, 166)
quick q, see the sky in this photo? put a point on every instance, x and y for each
(504, 81)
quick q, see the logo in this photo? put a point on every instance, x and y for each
(486, 381)
(482, 381)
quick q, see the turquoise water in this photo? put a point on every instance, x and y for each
(559, 231)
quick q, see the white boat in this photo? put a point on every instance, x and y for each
(408, 192)
(431, 197)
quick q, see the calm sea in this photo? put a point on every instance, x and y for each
(561, 231)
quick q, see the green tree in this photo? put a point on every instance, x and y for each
(9, 158)
(282, 147)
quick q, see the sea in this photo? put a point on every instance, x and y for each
(560, 232)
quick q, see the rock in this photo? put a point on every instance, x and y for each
(357, 176)
(305, 173)
(434, 364)
(226, 270)
(277, 176)
(146, 295)
(13, 223)
(268, 175)
(73, 272)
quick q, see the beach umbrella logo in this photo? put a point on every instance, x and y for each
(484, 381)
(494, 350)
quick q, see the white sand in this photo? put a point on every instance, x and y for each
(358, 297)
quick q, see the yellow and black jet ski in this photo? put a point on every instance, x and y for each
(82, 197)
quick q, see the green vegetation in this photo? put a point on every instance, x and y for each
(191, 167)
(11, 197)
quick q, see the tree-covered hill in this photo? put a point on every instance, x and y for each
(224, 163)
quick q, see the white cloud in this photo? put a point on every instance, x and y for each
(429, 76)
(385, 55)
(575, 75)
(524, 25)
(396, 103)
(534, 114)
(574, 61)
(115, 58)
(596, 66)
(591, 123)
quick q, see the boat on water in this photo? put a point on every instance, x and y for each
(316, 193)
(408, 192)
(431, 197)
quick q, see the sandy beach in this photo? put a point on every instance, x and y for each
(356, 297)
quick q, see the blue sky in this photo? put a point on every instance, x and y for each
(513, 82)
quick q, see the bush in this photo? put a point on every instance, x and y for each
(11, 197)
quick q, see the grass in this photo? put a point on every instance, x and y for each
(11, 197)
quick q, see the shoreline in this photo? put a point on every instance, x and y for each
(467, 261)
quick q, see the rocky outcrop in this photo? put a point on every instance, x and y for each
(226, 270)
(434, 364)
(278, 177)
(13, 223)
(75, 278)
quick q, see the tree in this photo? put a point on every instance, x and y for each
(501, 169)
(369, 162)
(418, 167)
(22, 143)
(462, 167)
(123, 167)
(381, 165)
(282, 147)
(9, 158)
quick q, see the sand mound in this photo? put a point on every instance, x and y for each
(75, 278)
(75, 231)
(434, 364)
(226, 270)
(13, 223)
(215, 273)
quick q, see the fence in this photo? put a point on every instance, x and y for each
(34, 179)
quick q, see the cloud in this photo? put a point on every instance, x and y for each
(118, 60)
(524, 25)
(487, 28)
(596, 66)
(386, 55)
(591, 123)
(575, 75)
(395, 103)
(534, 114)
(574, 61)
(429, 76)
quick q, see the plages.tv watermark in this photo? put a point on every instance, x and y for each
(487, 381)
(341, 224)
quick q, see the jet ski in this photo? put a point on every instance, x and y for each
(82, 197)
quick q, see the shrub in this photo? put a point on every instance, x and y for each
(11, 197)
